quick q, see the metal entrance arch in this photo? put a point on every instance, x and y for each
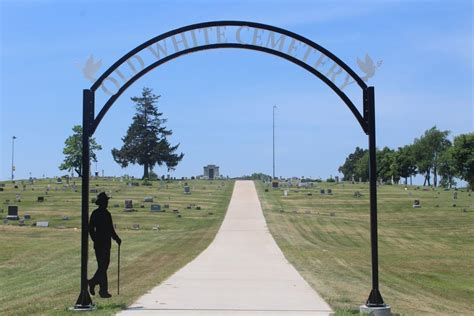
(227, 34)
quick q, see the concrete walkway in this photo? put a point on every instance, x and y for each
(242, 272)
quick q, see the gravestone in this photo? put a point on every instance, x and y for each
(285, 192)
(59, 181)
(135, 226)
(416, 204)
(65, 218)
(1, 189)
(166, 206)
(274, 184)
(2, 185)
(330, 191)
(148, 199)
(156, 208)
(322, 191)
(187, 189)
(21, 222)
(357, 194)
(135, 184)
(198, 208)
(128, 206)
(455, 195)
(27, 216)
(93, 191)
(42, 224)
(13, 212)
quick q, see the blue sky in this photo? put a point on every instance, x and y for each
(219, 103)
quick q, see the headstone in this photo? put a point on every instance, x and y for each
(1, 189)
(59, 181)
(148, 199)
(135, 184)
(321, 191)
(128, 205)
(21, 222)
(187, 189)
(155, 208)
(274, 184)
(357, 194)
(13, 212)
(65, 218)
(455, 195)
(198, 208)
(136, 226)
(2, 185)
(93, 191)
(285, 192)
(18, 197)
(416, 204)
(27, 216)
(166, 206)
(5, 221)
(156, 227)
(42, 224)
(266, 190)
(332, 214)
(330, 191)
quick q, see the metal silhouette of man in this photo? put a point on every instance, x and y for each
(101, 230)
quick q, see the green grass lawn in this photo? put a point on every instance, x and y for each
(40, 267)
(426, 255)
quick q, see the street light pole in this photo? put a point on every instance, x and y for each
(274, 107)
(13, 156)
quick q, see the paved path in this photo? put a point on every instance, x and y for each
(242, 272)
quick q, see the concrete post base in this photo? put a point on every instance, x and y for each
(375, 311)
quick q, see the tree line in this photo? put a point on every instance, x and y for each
(439, 160)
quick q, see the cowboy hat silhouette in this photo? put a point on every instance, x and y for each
(102, 198)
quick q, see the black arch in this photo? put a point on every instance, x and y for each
(367, 122)
(359, 117)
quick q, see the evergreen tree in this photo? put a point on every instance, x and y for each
(73, 151)
(146, 142)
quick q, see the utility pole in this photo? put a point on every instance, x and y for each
(13, 156)
(274, 107)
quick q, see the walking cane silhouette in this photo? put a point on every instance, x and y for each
(118, 272)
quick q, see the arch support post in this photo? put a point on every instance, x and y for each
(84, 302)
(375, 303)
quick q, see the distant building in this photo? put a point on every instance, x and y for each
(211, 172)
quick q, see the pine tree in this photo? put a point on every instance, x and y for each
(146, 142)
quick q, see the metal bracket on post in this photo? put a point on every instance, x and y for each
(84, 302)
(375, 304)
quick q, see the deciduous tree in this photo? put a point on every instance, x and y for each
(73, 151)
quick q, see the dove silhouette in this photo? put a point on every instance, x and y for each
(90, 68)
(368, 67)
